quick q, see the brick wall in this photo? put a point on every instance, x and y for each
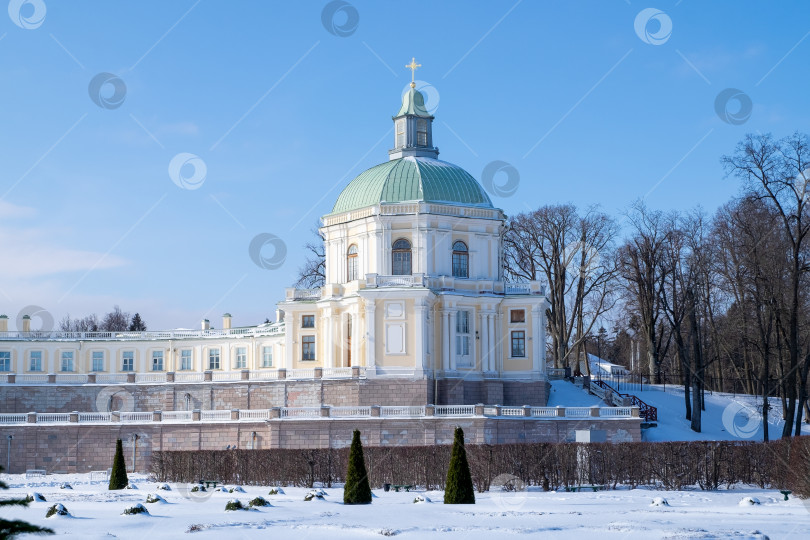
(82, 447)
(16, 398)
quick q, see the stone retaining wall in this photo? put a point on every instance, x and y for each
(83, 447)
(19, 398)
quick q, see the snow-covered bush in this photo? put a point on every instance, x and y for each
(65, 485)
(164, 487)
(749, 501)
(234, 504)
(659, 501)
(421, 499)
(154, 498)
(318, 494)
(259, 501)
(34, 497)
(236, 489)
(197, 488)
(57, 509)
(131, 486)
(276, 491)
(134, 510)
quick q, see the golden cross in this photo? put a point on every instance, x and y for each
(412, 66)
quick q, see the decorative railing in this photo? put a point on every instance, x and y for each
(189, 376)
(133, 417)
(71, 378)
(93, 417)
(261, 414)
(517, 288)
(110, 378)
(337, 373)
(306, 294)
(363, 411)
(263, 375)
(646, 411)
(349, 412)
(303, 412)
(455, 410)
(301, 373)
(226, 376)
(176, 416)
(216, 416)
(57, 335)
(149, 377)
(402, 411)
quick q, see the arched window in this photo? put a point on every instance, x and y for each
(351, 263)
(460, 260)
(401, 258)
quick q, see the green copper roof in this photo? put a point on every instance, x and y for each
(412, 179)
(413, 103)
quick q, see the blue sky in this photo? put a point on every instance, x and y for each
(284, 113)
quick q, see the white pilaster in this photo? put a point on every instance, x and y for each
(445, 340)
(370, 324)
(452, 325)
(420, 358)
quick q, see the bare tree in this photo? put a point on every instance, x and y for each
(115, 321)
(574, 253)
(641, 266)
(778, 173)
(312, 273)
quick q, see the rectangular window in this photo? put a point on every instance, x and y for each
(35, 360)
(157, 360)
(421, 132)
(67, 361)
(463, 338)
(517, 316)
(241, 358)
(400, 142)
(5, 360)
(267, 356)
(213, 359)
(518, 344)
(308, 321)
(128, 361)
(98, 361)
(185, 359)
(308, 347)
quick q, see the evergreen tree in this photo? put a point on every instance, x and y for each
(118, 476)
(356, 490)
(137, 324)
(459, 486)
(10, 529)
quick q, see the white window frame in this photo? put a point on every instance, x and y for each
(241, 358)
(127, 366)
(94, 358)
(186, 360)
(214, 354)
(31, 365)
(66, 359)
(5, 360)
(267, 356)
(157, 360)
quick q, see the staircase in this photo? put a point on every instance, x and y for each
(613, 397)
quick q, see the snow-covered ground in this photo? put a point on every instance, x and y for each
(727, 416)
(623, 513)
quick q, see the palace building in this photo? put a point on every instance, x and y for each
(414, 332)
(414, 289)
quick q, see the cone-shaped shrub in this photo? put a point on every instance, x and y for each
(357, 490)
(118, 476)
(459, 487)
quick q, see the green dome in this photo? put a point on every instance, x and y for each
(412, 179)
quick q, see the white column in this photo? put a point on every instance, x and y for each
(420, 359)
(541, 337)
(484, 333)
(288, 341)
(452, 324)
(370, 352)
(536, 339)
(445, 340)
(355, 332)
(328, 338)
(499, 341)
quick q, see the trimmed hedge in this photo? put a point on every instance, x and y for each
(781, 464)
